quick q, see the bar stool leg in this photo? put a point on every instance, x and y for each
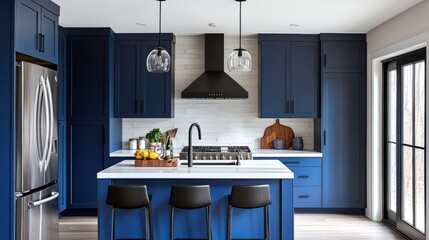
(172, 224)
(112, 231)
(267, 223)
(229, 222)
(209, 223)
(150, 222)
(147, 223)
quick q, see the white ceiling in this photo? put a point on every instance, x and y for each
(192, 17)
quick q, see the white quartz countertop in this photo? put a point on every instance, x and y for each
(255, 152)
(249, 169)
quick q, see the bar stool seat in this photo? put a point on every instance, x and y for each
(248, 197)
(191, 197)
(130, 197)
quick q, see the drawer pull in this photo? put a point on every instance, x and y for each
(293, 162)
(303, 176)
(303, 196)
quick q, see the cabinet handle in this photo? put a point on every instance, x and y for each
(292, 107)
(292, 162)
(324, 60)
(39, 42)
(324, 137)
(43, 43)
(303, 196)
(287, 106)
(137, 106)
(303, 176)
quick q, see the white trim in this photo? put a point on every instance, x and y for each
(375, 109)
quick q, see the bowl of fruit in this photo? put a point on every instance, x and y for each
(147, 158)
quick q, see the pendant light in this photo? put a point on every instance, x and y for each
(240, 60)
(158, 61)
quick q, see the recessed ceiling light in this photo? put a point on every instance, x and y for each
(141, 24)
(212, 24)
(294, 25)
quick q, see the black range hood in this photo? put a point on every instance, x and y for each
(214, 83)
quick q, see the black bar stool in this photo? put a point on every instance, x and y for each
(130, 197)
(247, 197)
(191, 197)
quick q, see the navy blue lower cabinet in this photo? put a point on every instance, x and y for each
(307, 197)
(247, 223)
(87, 145)
(343, 140)
(307, 183)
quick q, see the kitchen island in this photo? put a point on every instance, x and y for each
(191, 224)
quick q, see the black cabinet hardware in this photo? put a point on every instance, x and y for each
(303, 196)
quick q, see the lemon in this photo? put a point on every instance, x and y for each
(139, 157)
(153, 156)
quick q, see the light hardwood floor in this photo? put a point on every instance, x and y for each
(307, 226)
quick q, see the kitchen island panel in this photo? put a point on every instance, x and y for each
(246, 223)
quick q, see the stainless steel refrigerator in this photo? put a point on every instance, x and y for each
(36, 187)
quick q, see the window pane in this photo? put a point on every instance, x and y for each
(391, 176)
(407, 185)
(391, 108)
(407, 104)
(420, 104)
(420, 189)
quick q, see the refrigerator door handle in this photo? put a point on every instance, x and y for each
(33, 204)
(36, 122)
(46, 103)
(51, 123)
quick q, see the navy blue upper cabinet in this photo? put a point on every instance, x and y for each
(343, 53)
(62, 74)
(36, 29)
(88, 54)
(343, 122)
(289, 76)
(138, 93)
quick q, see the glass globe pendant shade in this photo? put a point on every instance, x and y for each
(239, 61)
(158, 61)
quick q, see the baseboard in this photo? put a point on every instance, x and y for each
(359, 211)
(90, 212)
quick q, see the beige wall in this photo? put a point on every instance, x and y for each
(410, 23)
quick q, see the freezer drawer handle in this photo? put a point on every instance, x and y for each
(40, 202)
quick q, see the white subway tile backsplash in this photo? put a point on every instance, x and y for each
(223, 122)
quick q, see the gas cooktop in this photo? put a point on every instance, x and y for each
(218, 152)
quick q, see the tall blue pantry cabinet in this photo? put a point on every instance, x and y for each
(92, 132)
(343, 121)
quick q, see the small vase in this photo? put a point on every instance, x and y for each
(297, 143)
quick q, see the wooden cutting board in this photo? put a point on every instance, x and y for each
(277, 131)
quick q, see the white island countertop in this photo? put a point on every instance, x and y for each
(249, 169)
(256, 152)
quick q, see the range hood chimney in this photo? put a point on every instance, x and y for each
(214, 83)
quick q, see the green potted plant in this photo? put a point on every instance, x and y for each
(155, 136)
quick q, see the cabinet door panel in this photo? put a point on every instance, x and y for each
(128, 68)
(274, 77)
(304, 84)
(27, 22)
(344, 57)
(49, 29)
(155, 88)
(343, 130)
(307, 176)
(87, 151)
(62, 73)
(88, 78)
(62, 165)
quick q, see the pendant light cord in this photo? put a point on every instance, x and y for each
(159, 33)
(240, 29)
